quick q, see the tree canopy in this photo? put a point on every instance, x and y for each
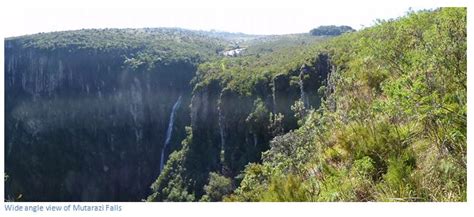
(330, 30)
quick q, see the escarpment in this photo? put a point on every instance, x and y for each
(99, 120)
(231, 129)
(86, 126)
(165, 114)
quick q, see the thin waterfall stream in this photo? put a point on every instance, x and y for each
(169, 132)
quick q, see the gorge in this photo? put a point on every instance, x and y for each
(90, 121)
(168, 114)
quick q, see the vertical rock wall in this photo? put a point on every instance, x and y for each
(84, 126)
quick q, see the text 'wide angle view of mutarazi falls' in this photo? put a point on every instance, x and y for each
(172, 114)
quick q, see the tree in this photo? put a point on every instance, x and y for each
(331, 30)
(217, 188)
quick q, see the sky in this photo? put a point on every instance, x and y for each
(22, 17)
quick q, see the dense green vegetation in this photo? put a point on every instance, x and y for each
(378, 114)
(331, 30)
(393, 128)
(239, 91)
(141, 46)
(263, 59)
(391, 125)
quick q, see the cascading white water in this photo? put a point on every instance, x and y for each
(221, 129)
(274, 101)
(169, 132)
(221, 132)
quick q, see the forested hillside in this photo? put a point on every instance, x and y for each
(378, 114)
(239, 104)
(392, 126)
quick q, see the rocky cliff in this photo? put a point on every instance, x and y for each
(231, 129)
(99, 120)
(85, 126)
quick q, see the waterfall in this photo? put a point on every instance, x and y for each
(169, 131)
(221, 132)
(221, 129)
(304, 70)
(303, 95)
(255, 140)
(274, 101)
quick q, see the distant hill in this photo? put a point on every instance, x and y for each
(331, 30)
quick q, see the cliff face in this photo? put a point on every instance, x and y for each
(100, 114)
(204, 151)
(91, 124)
(231, 129)
(85, 126)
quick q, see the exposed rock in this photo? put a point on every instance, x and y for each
(284, 95)
(86, 127)
(312, 78)
(77, 111)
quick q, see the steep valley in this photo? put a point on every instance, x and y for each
(98, 123)
(166, 114)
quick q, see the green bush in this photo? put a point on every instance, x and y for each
(393, 127)
(218, 187)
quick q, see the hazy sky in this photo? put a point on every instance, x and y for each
(248, 16)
